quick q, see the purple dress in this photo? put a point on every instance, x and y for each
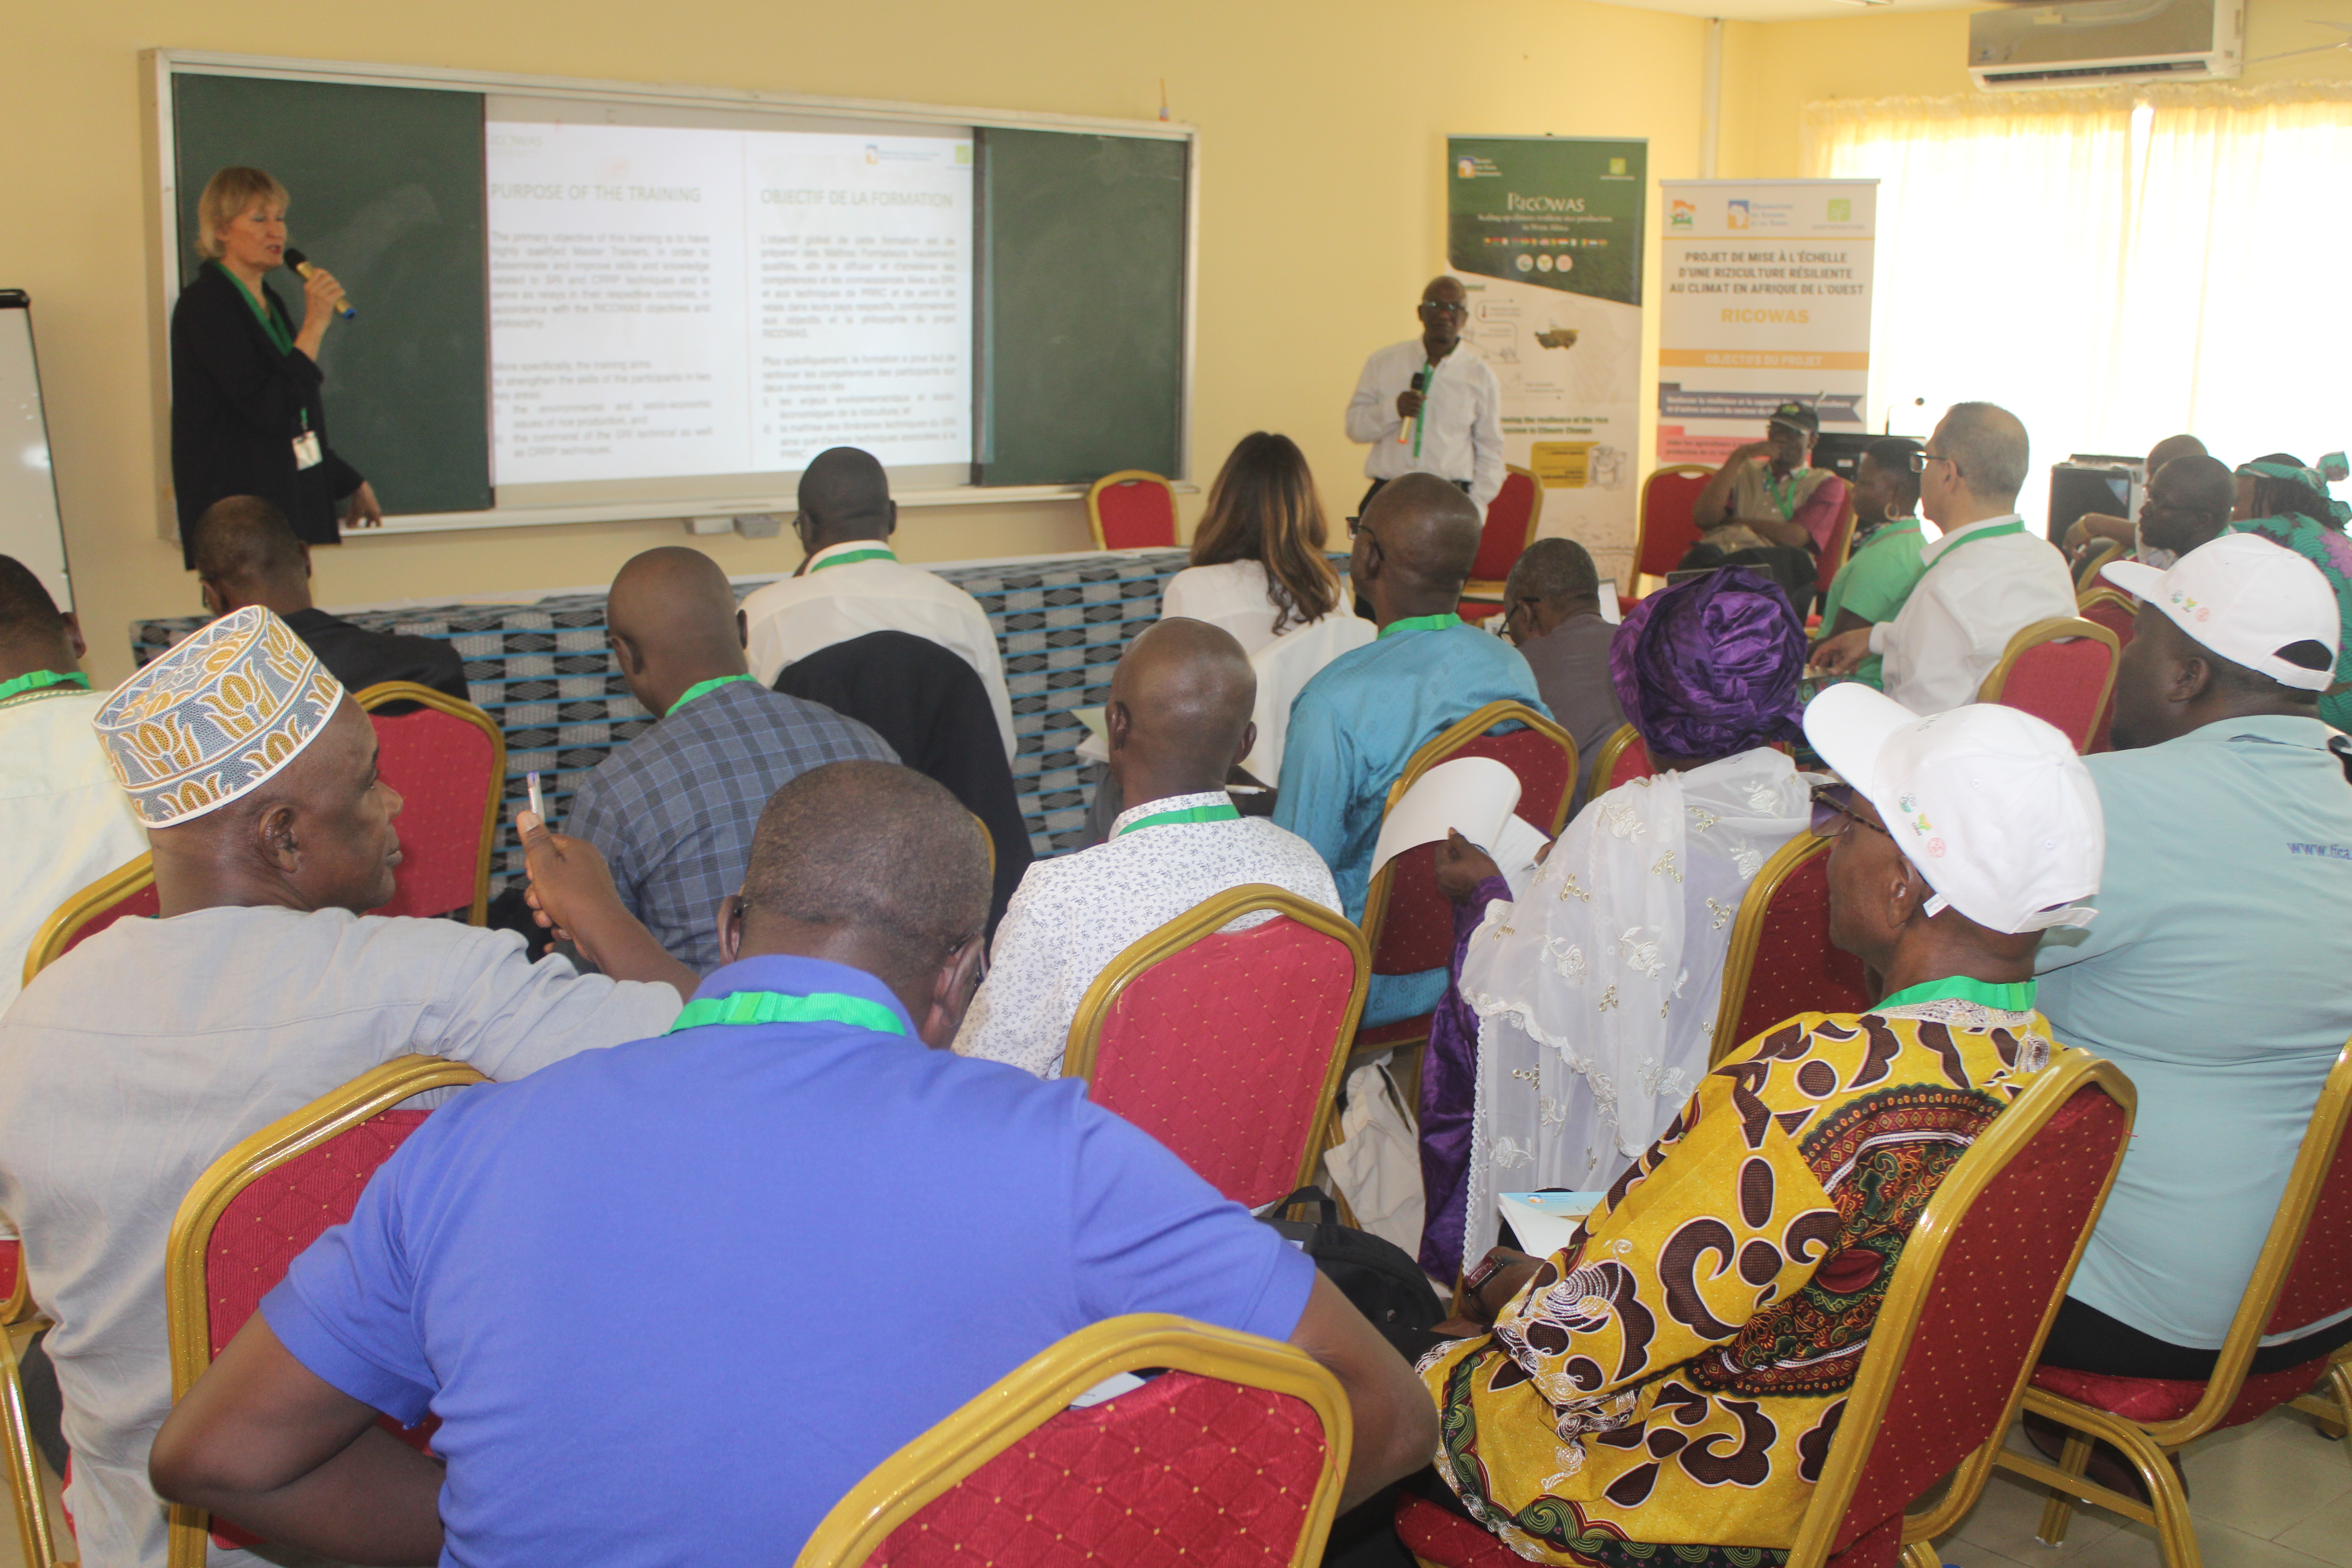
(1449, 1094)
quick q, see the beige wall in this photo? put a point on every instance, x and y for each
(1322, 210)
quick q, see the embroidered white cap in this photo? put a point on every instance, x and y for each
(1990, 803)
(2247, 599)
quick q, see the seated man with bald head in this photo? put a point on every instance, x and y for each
(1178, 722)
(673, 810)
(851, 582)
(134, 1061)
(1357, 723)
(2094, 528)
(772, 1140)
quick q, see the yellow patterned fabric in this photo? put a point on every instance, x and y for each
(216, 716)
(1674, 1376)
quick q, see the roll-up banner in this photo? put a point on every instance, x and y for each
(1766, 300)
(1545, 233)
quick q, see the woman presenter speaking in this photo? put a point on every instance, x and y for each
(247, 418)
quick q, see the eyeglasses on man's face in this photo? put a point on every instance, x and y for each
(1445, 307)
(1834, 813)
(1919, 461)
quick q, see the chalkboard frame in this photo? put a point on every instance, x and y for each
(164, 268)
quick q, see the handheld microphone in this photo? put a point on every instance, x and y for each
(302, 264)
(1404, 431)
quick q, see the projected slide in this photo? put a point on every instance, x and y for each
(671, 301)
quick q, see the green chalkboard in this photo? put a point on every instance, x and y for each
(387, 194)
(1083, 305)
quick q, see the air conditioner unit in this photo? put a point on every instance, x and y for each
(2088, 43)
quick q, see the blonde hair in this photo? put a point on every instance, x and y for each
(1263, 507)
(227, 196)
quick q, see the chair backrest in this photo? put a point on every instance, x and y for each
(1621, 759)
(1133, 509)
(1408, 923)
(1841, 541)
(1781, 963)
(1228, 1045)
(1668, 496)
(35, 1548)
(1972, 1298)
(126, 891)
(256, 1207)
(2086, 571)
(1511, 521)
(2112, 608)
(1233, 1455)
(2062, 669)
(447, 760)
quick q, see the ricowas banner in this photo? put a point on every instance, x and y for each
(1766, 299)
(1545, 232)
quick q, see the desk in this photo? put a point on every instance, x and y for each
(542, 669)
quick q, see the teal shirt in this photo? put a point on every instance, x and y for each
(1874, 581)
(2214, 976)
(1352, 730)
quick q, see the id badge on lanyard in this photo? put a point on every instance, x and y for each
(308, 454)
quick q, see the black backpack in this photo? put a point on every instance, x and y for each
(1379, 1277)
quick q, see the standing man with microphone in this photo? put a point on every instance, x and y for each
(247, 418)
(1427, 407)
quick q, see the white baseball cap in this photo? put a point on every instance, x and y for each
(1990, 803)
(2247, 599)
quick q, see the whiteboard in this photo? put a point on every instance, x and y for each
(29, 526)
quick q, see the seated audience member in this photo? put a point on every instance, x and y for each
(63, 822)
(1885, 563)
(247, 553)
(930, 708)
(1638, 1394)
(852, 584)
(1258, 569)
(1987, 578)
(775, 1133)
(2214, 976)
(1564, 1029)
(1769, 509)
(1178, 722)
(1552, 613)
(137, 1060)
(2092, 529)
(673, 810)
(1356, 725)
(2187, 504)
(2288, 504)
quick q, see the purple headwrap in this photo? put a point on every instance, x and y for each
(1710, 667)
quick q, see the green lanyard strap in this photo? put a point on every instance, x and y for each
(1436, 623)
(270, 323)
(40, 679)
(780, 1008)
(1783, 492)
(878, 553)
(701, 687)
(1969, 538)
(2015, 996)
(1224, 811)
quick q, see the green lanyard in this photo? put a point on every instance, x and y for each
(1969, 538)
(1428, 385)
(877, 553)
(40, 679)
(2015, 996)
(270, 323)
(1224, 811)
(713, 684)
(1784, 492)
(1436, 623)
(780, 1008)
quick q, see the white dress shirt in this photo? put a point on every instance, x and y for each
(1977, 593)
(1230, 594)
(835, 599)
(1461, 418)
(1073, 914)
(64, 822)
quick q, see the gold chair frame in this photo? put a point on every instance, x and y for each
(2058, 628)
(1205, 919)
(1093, 502)
(2149, 1447)
(34, 1540)
(386, 692)
(187, 1303)
(1489, 590)
(2101, 593)
(2087, 575)
(49, 941)
(1605, 761)
(1044, 1386)
(1748, 932)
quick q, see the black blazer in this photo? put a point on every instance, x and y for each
(237, 404)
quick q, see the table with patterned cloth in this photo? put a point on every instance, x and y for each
(542, 669)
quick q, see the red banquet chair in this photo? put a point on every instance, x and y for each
(1227, 1045)
(1972, 1298)
(1233, 1455)
(1667, 530)
(1511, 521)
(1408, 923)
(124, 893)
(2063, 670)
(1622, 758)
(1840, 545)
(2303, 1276)
(256, 1207)
(1781, 963)
(1133, 509)
(2112, 608)
(447, 760)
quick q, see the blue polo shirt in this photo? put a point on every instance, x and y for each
(2214, 976)
(681, 1294)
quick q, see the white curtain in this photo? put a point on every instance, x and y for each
(2114, 266)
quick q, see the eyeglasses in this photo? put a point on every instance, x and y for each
(1450, 307)
(1919, 461)
(1834, 812)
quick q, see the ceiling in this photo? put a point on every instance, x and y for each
(1791, 10)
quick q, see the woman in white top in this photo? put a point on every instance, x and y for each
(1258, 568)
